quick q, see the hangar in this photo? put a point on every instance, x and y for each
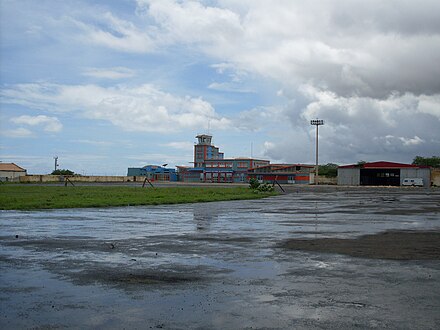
(382, 174)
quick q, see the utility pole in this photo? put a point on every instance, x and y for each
(317, 123)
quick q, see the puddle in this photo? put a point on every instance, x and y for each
(219, 265)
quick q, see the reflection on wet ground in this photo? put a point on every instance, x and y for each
(219, 265)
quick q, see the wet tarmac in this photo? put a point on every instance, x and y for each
(226, 265)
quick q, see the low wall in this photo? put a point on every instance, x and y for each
(82, 178)
(106, 178)
(435, 177)
(325, 180)
(39, 178)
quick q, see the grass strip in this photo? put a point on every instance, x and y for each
(49, 197)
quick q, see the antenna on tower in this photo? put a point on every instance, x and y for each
(252, 151)
(209, 125)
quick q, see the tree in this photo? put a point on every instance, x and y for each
(329, 170)
(62, 172)
(433, 161)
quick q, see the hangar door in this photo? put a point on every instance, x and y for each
(380, 177)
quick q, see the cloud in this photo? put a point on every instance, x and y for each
(141, 108)
(229, 87)
(396, 128)
(115, 33)
(181, 145)
(430, 104)
(109, 73)
(237, 79)
(395, 112)
(349, 47)
(260, 119)
(17, 133)
(412, 141)
(49, 124)
(192, 22)
(94, 143)
(356, 127)
(368, 69)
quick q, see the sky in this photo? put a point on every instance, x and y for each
(107, 85)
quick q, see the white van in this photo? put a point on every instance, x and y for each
(413, 182)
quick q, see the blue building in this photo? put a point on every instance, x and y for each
(154, 173)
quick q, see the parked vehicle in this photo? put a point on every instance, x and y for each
(414, 182)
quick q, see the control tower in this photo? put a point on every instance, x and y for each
(205, 150)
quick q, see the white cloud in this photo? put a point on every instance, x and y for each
(349, 47)
(141, 108)
(337, 46)
(116, 34)
(412, 141)
(371, 113)
(430, 104)
(396, 128)
(229, 87)
(17, 133)
(181, 145)
(191, 21)
(261, 119)
(94, 143)
(365, 126)
(109, 73)
(369, 70)
(236, 82)
(391, 141)
(50, 124)
(268, 146)
(222, 67)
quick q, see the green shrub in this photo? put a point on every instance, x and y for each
(62, 172)
(265, 187)
(260, 187)
(253, 183)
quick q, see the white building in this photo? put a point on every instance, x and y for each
(11, 172)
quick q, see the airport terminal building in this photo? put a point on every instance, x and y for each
(211, 166)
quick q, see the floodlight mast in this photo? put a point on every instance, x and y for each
(317, 123)
(56, 162)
